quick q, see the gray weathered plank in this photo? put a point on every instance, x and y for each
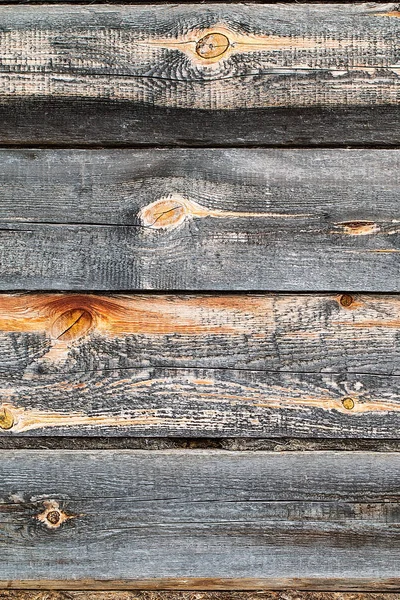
(200, 219)
(64, 68)
(223, 365)
(199, 518)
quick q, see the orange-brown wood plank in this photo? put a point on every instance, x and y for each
(206, 365)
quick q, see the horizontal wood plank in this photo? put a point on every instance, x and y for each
(201, 517)
(162, 71)
(200, 220)
(208, 365)
(197, 595)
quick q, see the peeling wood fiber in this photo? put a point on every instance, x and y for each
(196, 219)
(206, 365)
(158, 59)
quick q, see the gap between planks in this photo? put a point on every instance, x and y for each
(191, 444)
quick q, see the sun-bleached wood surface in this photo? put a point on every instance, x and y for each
(200, 74)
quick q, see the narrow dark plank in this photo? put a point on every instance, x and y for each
(201, 518)
(200, 220)
(232, 595)
(138, 75)
(200, 366)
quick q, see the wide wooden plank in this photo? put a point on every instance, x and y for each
(201, 518)
(200, 219)
(200, 74)
(249, 365)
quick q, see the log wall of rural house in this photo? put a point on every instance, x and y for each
(199, 301)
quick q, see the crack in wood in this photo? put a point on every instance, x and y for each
(72, 325)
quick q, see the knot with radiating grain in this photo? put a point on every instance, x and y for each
(170, 212)
(72, 325)
(53, 516)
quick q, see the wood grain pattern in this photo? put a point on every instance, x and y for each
(194, 595)
(221, 365)
(274, 56)
(200, 220)
(201, 518)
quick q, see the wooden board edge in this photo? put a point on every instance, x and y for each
(204, 584)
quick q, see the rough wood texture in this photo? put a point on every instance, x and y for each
(149, 595)
(199, 519)
(221, 365)
(165, 63)
(200, 220)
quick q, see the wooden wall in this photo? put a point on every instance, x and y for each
(199, 301)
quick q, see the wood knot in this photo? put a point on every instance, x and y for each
(346, 300)
(348, 403)
(72, 325)
(170, 212)
(52, 516)
(212, 45)
(358, 227)
(6, 418)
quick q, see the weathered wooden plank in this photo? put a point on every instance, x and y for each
(165, 595)
(183, 62)
(201, 518)
(65, 122)
(202, 403)
(200, 219)
(226, 365)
